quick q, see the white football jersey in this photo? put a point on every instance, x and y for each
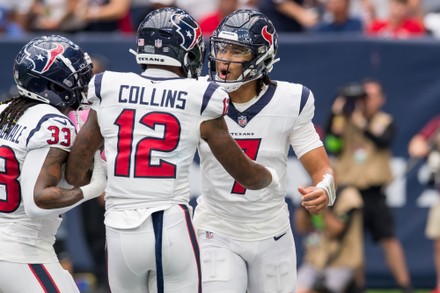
(23, 239)
(265, 128)
(151, 126)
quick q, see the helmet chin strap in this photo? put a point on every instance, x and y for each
(133, 52)
(230, 87)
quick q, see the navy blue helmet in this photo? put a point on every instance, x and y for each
(170, 36)
(252, 31)
(54, 70)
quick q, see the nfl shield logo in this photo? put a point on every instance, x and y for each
(158, 43)
(242, 121)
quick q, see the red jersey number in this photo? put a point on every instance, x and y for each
(9, 180)
(168, 130)
(61, 136)
(250, 148)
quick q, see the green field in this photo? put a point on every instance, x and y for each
(395, 291)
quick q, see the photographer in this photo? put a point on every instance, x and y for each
(333, 243)
(360, 135)
(426, 144)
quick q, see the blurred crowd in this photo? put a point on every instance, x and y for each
(384, 18)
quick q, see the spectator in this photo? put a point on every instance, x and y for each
(338, 19)
(56, 16)
(210, 22)
(360, 135)
(289, 15)
(426, 144)
(368, 10)
(107, 15)
(8, 24)
(334, 244)
(398, 24)
(13, 17)
(198, 9)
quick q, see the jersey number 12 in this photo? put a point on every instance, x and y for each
(167, 141)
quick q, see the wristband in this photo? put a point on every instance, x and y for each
(328, 185)
(98, 181)
(92, 190)
(275, 183)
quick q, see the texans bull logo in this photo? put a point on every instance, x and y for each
(267, 36)
(186, 29)
(45, 57)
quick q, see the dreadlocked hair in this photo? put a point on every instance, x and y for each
(264, 80)
(14, 110)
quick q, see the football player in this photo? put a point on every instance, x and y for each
(151, 124)
(248, 245)
(51, 74)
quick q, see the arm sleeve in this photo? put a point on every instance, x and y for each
(215, 102)
(304, 136)
(53, 130)
(29, 175)
(94, 92)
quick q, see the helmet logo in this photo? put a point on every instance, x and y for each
(189, 34)
(158, 43)
(267, 36)
(45, 58)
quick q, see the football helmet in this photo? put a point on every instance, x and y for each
(54, 70)
(170, 36)
(251, 31)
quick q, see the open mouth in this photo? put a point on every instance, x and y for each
(223, 73)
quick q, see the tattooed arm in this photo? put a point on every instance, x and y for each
(87, 142)
(41, 194)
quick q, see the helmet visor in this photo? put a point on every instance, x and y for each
(230, 61)
(230, 51)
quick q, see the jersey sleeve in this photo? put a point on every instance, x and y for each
(53, 130)
(94, 92)
(215, 102)
(303, 137)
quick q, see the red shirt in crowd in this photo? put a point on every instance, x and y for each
(210, 23)
(408, 28)
(430, 129)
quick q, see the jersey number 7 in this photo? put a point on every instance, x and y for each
(250, 148)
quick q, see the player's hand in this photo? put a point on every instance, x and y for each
(418, 147)
(270, 191)
(338, 105)
(313, 199)
(98, 182)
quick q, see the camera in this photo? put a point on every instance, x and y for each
(352, 93)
